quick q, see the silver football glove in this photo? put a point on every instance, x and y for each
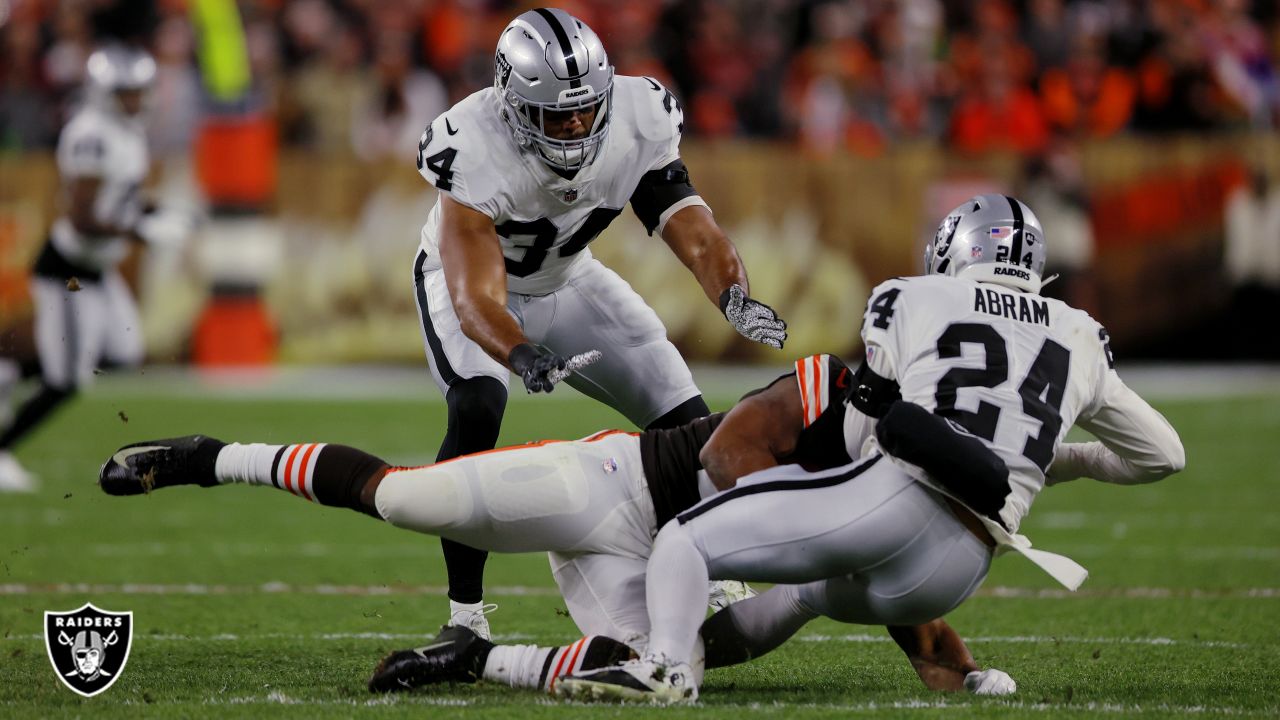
(753, 319)
(541, 370)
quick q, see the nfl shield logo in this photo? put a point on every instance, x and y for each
(88, 647)
(571, 194)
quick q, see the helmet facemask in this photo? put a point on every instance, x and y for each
(528, 122)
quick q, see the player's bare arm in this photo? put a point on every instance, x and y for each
(755, 434)
(695, 238)
(943, 662)
(477, 279)
(157, 226)
(476, 275)
(937, 653)
(82, 196)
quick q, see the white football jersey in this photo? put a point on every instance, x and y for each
(112, 148)
(544, 221)
(1013, 368)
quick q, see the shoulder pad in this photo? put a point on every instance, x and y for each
(82, 147)
(1091, 327)
(657, 112)
(454, 152)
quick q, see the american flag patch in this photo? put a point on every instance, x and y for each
(1001, 233)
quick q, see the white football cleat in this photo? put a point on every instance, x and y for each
(727, 592)
(471, 616)
(990, 682)
(13, 477)
(652, 680)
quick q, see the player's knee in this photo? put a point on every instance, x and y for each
(428, 500)
(476, 406)
(347, 477)
(687, 411)
(678, 539)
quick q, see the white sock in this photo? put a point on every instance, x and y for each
(456, 607)
(677, 595)
(249, 464)
(517, 666)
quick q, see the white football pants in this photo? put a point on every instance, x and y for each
(866, 542)
(76, 331)
(586, 502)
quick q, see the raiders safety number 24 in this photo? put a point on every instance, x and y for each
(1041, 390)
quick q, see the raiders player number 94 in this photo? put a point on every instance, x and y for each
(530, 171)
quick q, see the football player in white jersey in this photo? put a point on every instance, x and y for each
(594, 505)
(529, 172)
(84, 313)
(907, 532)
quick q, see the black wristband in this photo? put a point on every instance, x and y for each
(724, 299)
(521, 357)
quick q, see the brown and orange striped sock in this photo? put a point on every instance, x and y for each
(320, 472)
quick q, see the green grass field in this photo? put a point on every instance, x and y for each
(249, 602)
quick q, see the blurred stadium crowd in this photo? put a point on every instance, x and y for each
(363, 77)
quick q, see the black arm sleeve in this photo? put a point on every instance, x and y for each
(660, 189)
(871, 393)
(960, 462)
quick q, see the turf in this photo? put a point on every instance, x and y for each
(251, 603)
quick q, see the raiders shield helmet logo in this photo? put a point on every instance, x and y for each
(88, 647)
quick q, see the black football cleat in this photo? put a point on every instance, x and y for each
(142, 467)
(456, 656)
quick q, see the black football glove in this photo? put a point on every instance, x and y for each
(535, 367)
(751, 318)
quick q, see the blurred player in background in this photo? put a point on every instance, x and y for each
(530, 171)
(84, 314)
(906, 533)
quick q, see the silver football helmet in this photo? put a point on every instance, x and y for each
(548, 61)
(116, 68)
(992, 238)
